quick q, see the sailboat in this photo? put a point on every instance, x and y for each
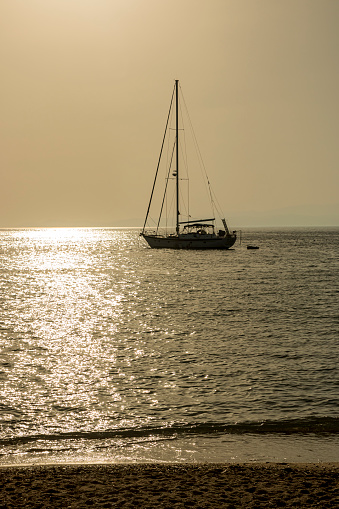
(189, 233)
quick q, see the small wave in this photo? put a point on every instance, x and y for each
(317, 426)
(60, 408)
(8, 410)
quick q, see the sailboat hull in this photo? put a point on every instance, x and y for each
(180, 242)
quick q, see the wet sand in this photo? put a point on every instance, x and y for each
(268, 485)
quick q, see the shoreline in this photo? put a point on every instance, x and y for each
(170, 485)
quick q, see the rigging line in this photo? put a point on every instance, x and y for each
(217, 205)
(165, 192)
(211, 196)
(152, 221)
(170, 209)
(194, 136)
(156, 173)
(169, 140)
(200, 158)
(184, 154)
(183, 150)
(183, 145)
(184, 206)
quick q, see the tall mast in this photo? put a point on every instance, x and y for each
(177, 150)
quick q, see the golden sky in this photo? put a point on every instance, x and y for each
(85, 90)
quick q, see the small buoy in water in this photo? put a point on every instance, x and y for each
(252, 247)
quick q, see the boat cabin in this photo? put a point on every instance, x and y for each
(199, 230)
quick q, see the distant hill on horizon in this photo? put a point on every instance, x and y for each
(299, 216)
(309, 215)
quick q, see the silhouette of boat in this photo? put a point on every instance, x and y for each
(188, 234)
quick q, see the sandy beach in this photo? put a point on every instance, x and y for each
(171, 486)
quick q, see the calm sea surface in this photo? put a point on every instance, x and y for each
(111, 351)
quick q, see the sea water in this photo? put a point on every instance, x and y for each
(112, 351)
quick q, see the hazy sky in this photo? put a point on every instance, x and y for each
(85, 89)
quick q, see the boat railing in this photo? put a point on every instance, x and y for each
(161, 232)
